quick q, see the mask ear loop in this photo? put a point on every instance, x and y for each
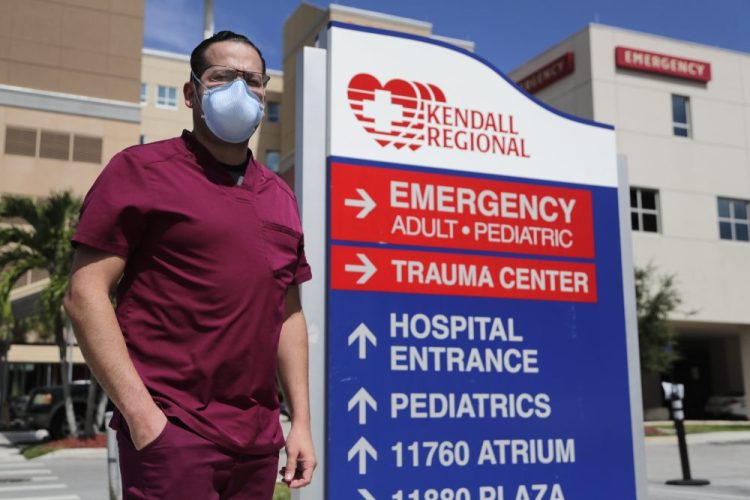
(198, 101)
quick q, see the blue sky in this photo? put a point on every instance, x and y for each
(507, 33)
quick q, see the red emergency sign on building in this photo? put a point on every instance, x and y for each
(653, 62)
(405, 207)
(439, 273)
(549, 74)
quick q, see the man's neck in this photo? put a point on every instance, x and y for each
(223, 152)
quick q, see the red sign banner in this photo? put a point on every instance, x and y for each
(549, 74)
(385, 205)
(439, 273)
(653, 62)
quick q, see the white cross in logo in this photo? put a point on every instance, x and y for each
(383, 110)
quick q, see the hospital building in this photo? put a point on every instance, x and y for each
(77, 85)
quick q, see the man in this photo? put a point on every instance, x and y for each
(205, 247)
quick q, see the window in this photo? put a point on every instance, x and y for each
(54, 145)
(681, 115)
(87, 149)
(144, 93)
(20, 141)
(166, 97)
(644, 210)
(272, 160)
(273, 111)
(733, 221)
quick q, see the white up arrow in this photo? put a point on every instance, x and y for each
(362, 448)
(365, 202)
(365, 494)
(363, 400)
(366, 268)
(363, 335)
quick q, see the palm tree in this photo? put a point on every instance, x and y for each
(41, 241)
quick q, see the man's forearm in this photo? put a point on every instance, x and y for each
(293, 367)
(103, 346)
(300, 451)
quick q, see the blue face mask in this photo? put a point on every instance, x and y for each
(231, 111)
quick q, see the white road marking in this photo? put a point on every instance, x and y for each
(56, 497)
(33, 487)
(24, 472)
(25, 465)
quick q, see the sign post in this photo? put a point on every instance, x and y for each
(478, 345)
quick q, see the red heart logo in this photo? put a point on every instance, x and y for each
(392, 113)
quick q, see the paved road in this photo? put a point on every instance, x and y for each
(723, 458)
(59, 476)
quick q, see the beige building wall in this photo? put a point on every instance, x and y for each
(266, 142)
(69, 80)
(689, 173)
(38, 176)
(572, 93)
(163, 117)
(80, 47)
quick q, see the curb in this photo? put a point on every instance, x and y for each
(702, 438)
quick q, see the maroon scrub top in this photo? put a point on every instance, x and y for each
(201, 301)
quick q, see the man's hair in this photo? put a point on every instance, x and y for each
(198, 63)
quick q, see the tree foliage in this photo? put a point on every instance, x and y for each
(36, 235)
(656, 296)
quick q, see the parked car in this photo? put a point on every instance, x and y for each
(732, 405)
(46, 409)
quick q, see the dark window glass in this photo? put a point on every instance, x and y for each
(648, 199)
(273, 111)
(741, 232)
(725, 230)
(634, 221)
(633, 197)
(649, 223)
(679, 131)
(740, 210)
(272, 160)
(724, 207)
(679, 109)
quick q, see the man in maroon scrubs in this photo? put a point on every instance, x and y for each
(205, 247)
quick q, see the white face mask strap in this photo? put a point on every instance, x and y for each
(197, 96)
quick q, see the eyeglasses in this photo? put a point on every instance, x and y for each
(219, 75)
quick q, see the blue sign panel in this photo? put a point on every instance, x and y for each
(475, 319)
(448, 396)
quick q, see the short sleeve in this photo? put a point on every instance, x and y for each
(113, 214)
(303, 272)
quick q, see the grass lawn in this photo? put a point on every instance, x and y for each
(37, 450)
(281, 492)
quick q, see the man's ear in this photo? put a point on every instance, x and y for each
(189, 93)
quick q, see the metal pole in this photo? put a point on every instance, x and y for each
(678, 415)
(113, 462)
(682, 443)
(208, 18)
